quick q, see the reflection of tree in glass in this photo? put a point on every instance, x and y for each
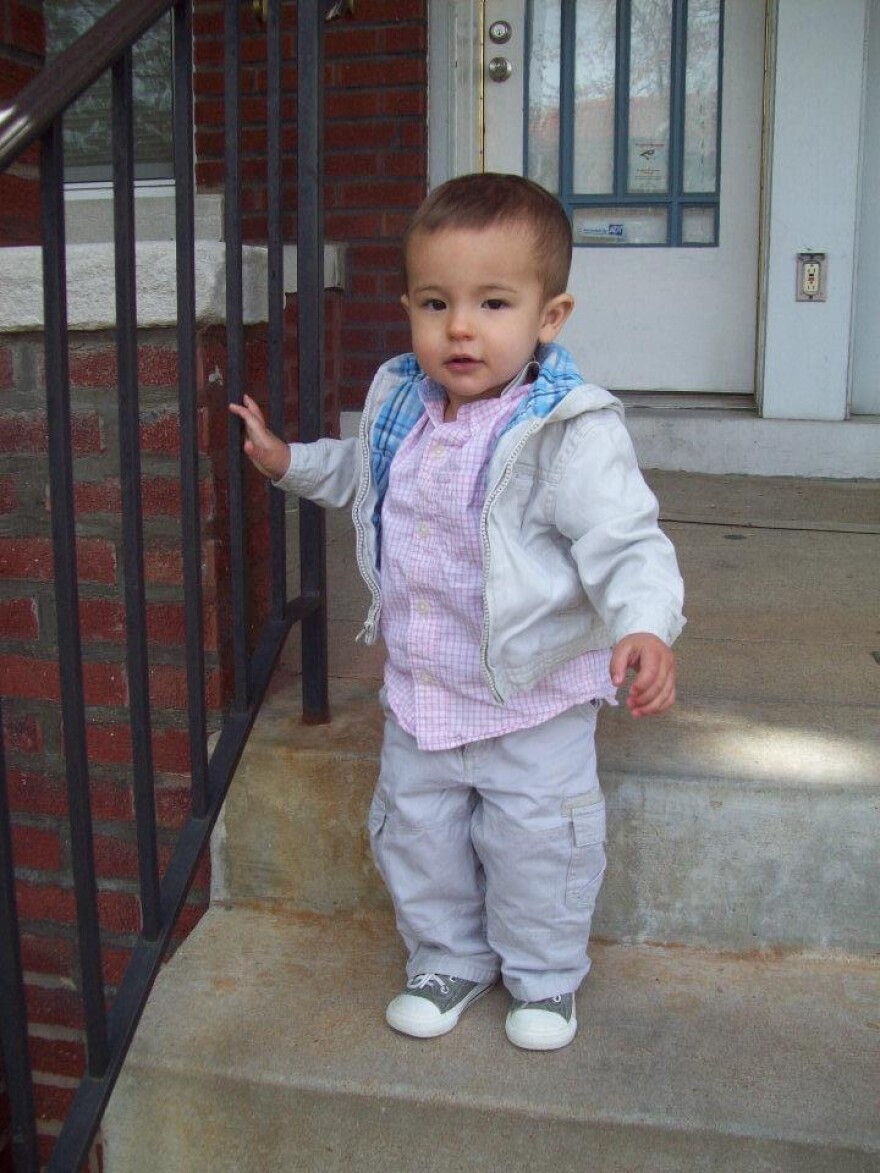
(595, 38)
(650, 47)
(87, 133)
(701, 96)
(544, 87)
(650, 72)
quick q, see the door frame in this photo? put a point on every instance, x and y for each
(455, 121)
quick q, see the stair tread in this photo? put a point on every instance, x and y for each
(788, 745)
(774, 1047)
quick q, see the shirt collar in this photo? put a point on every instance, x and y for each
(434, 397)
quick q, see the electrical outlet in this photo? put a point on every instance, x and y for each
(812, 276)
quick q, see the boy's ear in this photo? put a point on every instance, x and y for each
(556, 313)
(404, 301)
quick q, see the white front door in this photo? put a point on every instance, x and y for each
(649, 317)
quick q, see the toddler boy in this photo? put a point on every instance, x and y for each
(517, 573)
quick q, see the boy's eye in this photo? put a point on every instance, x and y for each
(495, 303)
(434, 303)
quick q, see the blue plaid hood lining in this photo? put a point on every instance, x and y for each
(557, 376)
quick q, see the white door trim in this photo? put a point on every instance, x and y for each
(455, 75)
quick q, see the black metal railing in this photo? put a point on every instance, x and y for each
(37, 115)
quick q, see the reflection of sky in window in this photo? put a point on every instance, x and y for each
(645, 149)
(544, 87)
(701, 96)
(594, 97)
(650, 47)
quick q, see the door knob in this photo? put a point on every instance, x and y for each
(500, 32)
(500, 69)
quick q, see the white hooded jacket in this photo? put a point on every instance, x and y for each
(573, 557)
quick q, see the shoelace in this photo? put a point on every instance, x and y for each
(556, 1000)
(423, 981)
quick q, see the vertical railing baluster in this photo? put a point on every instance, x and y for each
(67, 593)
(130, 477)
(310, 294)
(274, 181)
(13, 1011)
(235, 352)
(184, 182)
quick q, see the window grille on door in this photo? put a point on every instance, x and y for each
(624, 117)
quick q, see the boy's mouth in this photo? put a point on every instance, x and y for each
(461, 362)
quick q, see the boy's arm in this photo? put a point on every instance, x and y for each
(325, 471)
(626, 563)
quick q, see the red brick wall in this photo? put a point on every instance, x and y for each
(375, 153)
(21, 57)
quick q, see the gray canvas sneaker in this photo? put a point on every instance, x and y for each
(542, 1026)
(432, 1004)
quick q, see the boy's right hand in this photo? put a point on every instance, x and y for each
(262, 447)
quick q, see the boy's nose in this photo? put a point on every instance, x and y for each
(459, 324)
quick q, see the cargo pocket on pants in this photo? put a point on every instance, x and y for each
(587, 866)
(375, 826)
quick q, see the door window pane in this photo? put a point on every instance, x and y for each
(701, 96)
(698, 225)
(594, 105)
(544, 93)
(87, 125)
(650, 70)
(615, 226)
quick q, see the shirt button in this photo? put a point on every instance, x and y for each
(423, 606)
(423, 529)
(424, 678)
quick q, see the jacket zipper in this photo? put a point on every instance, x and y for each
(367, 632)
(492, 495)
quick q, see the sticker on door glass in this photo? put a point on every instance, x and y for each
(612, 231)
(647, 166)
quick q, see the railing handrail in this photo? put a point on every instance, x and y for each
(72, 72)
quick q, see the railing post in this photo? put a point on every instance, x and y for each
(235, 350)
(67, 593)
(310, 288)
(13, 1012)
(191, 536)
(140, 721)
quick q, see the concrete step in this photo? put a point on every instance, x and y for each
(747, 817)
(730, 826)
(264, 1049)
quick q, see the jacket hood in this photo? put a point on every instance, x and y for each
(559, 389)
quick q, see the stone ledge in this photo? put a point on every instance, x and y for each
(91, 290)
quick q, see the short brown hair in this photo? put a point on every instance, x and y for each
(484, 199)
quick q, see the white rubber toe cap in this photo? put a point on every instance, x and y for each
(539, 1030)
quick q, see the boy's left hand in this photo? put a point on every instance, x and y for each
(653, 689)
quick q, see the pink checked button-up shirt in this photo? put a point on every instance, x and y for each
(432, 588)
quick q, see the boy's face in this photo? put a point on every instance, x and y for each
(477, 308)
